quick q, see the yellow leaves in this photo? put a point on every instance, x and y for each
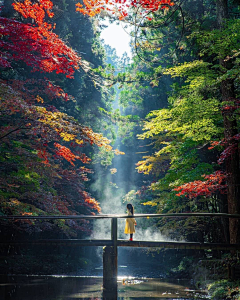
(164, 150)
(67, 136)
(53, 125)
(147, 45)
(161, 120)
(107, 147)
(40, 109)
(14, 201)
(99, 140)
(145, 166)
(155, 163)
(28, 176)
(113, 171)
(79, 142)
(69, 130)
(18, 208)
(190, 116)
(151, 203)
(117, 152)
(51, 119)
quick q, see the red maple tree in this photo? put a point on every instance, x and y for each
(42, 141)
(214, 182)
(36, 44)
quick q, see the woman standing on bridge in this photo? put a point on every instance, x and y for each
(130, 222)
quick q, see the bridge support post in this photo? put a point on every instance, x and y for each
(110, 266)
(114, 239)
(109, 274)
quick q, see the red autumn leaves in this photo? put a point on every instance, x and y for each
(37, 45)
(120, 8)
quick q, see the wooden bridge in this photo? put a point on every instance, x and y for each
(110, 246)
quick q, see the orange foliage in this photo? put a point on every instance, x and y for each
(68, 155)
(35, 11)
(91, 201)
(121, 7)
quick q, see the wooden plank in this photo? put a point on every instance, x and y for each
(101, 216)
(177, 245)
(69, 242)
(126, 243)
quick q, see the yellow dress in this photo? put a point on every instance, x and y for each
(130, 224)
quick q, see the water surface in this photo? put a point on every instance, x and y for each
(90, 288)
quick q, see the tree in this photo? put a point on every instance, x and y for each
(43, 162)
(228, 93)
(208, 87)
(203, 108)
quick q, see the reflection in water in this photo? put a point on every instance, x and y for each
(90, 288)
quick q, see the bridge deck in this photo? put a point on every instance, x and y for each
(126, 243)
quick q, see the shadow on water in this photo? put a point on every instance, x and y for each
(90, 288)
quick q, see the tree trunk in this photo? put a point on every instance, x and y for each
(230, 129)
(233, 178)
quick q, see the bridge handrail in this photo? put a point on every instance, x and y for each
(115, 242)
(119, 216)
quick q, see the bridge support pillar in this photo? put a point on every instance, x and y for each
(109, 273)
(110, 265)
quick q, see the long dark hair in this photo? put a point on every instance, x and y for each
(130, 208)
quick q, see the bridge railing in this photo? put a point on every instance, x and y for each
(114, 241)
(118, 216)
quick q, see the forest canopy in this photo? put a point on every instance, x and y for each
(185, 79)
(180, 97)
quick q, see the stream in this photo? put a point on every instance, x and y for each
(140, 276)
(22, 287)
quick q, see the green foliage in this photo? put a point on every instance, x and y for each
(224, 289)
(103, 157)
(179, 131)
(191, 121)
(130, 98)
(191, 117)
(185, 264)
(130, 197)
(220, 43)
